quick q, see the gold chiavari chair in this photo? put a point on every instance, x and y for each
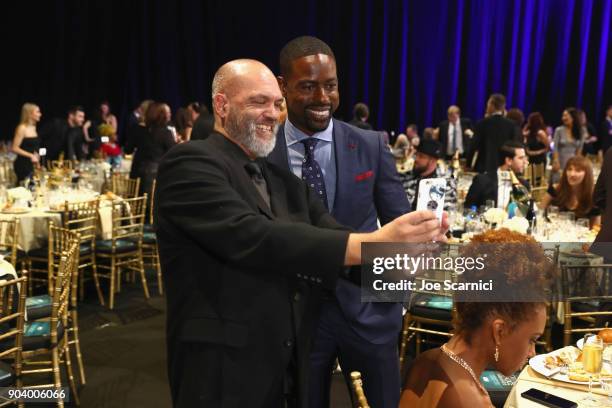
(587, 299)
(150, 250)
(12, 319)
(39, 307)
(124, 249)
(538, 175)
(82, 217)
(9, 239)
(357, 386)
(7, 173)
(123, 186)
(429, 312)
(49, 336)
(60, 164)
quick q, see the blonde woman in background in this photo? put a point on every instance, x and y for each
(26, 142)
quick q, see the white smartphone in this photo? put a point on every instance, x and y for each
(431, 195)
(104, 139)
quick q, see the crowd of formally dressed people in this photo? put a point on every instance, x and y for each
(259, 264)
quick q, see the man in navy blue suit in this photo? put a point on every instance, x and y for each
(353, 173)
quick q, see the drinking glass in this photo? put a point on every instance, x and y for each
(582, 223)
(553, 213)
(606, 385)
(592, 360)
(489, 204)
(567, 217)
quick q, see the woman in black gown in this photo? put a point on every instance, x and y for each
(26, 142)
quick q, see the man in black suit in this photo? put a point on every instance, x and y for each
(455, 133)
(361, 113)
(490, 134)
(246, 248)
(65, 136)
(490, 185)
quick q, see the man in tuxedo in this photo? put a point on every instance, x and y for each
(490, 134)
(65, 136)
(455, 133)
(353, 173)
(491, 185)
(246, 249)
(361, 113)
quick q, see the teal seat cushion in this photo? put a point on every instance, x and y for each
(37, 335)
(38, 307)
(149, 238)
(431, 306)
(123, 245)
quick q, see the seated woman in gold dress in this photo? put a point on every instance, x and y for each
(501, 335)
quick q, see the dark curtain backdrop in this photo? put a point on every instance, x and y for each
(408, 59)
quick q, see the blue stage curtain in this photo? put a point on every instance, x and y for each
(408, 59)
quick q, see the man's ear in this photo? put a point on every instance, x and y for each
(282, 85)
(220, 105)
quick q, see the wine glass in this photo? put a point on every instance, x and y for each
(592, 360)
(553, 213)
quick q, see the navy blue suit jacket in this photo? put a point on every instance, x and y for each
(367, 188)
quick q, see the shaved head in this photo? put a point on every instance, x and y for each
(233, 75)
(247, 103)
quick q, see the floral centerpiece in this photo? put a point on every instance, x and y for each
(495, 216)
(517, 224)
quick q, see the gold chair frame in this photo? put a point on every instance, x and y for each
(127, 225)
(59, 347)
(8, 314)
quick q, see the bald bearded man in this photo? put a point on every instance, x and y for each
(246, 250)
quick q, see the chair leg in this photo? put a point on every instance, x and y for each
(160, 284)
(111, 300)
(68, 362)
(57, 380)
(143, 277)
(77, 346)
(94, 269)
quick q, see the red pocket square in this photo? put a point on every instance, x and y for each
(364, 176)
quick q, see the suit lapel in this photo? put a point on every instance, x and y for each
(252, 196)
(343, 148)
(279, 155)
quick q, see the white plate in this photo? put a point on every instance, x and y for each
(537, 363)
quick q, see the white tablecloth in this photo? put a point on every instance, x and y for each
(530, 379)
(33, 227)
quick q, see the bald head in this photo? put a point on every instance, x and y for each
(233, 75)
(247, 103)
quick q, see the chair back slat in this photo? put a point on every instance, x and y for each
(124, 186)
(128, 218)
(9, 239)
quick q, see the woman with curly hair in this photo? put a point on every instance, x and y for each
(490, 332)
(575, 191)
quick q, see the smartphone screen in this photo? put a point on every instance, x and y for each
(547, 399)
(431, 195)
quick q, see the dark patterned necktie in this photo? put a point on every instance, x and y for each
(258, 180)
(311, 171)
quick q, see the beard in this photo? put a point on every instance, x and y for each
(244, 131)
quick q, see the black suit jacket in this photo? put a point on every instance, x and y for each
(602, 198)
(484, 187)
(241, 277)
(443, 129)
(489, 135)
